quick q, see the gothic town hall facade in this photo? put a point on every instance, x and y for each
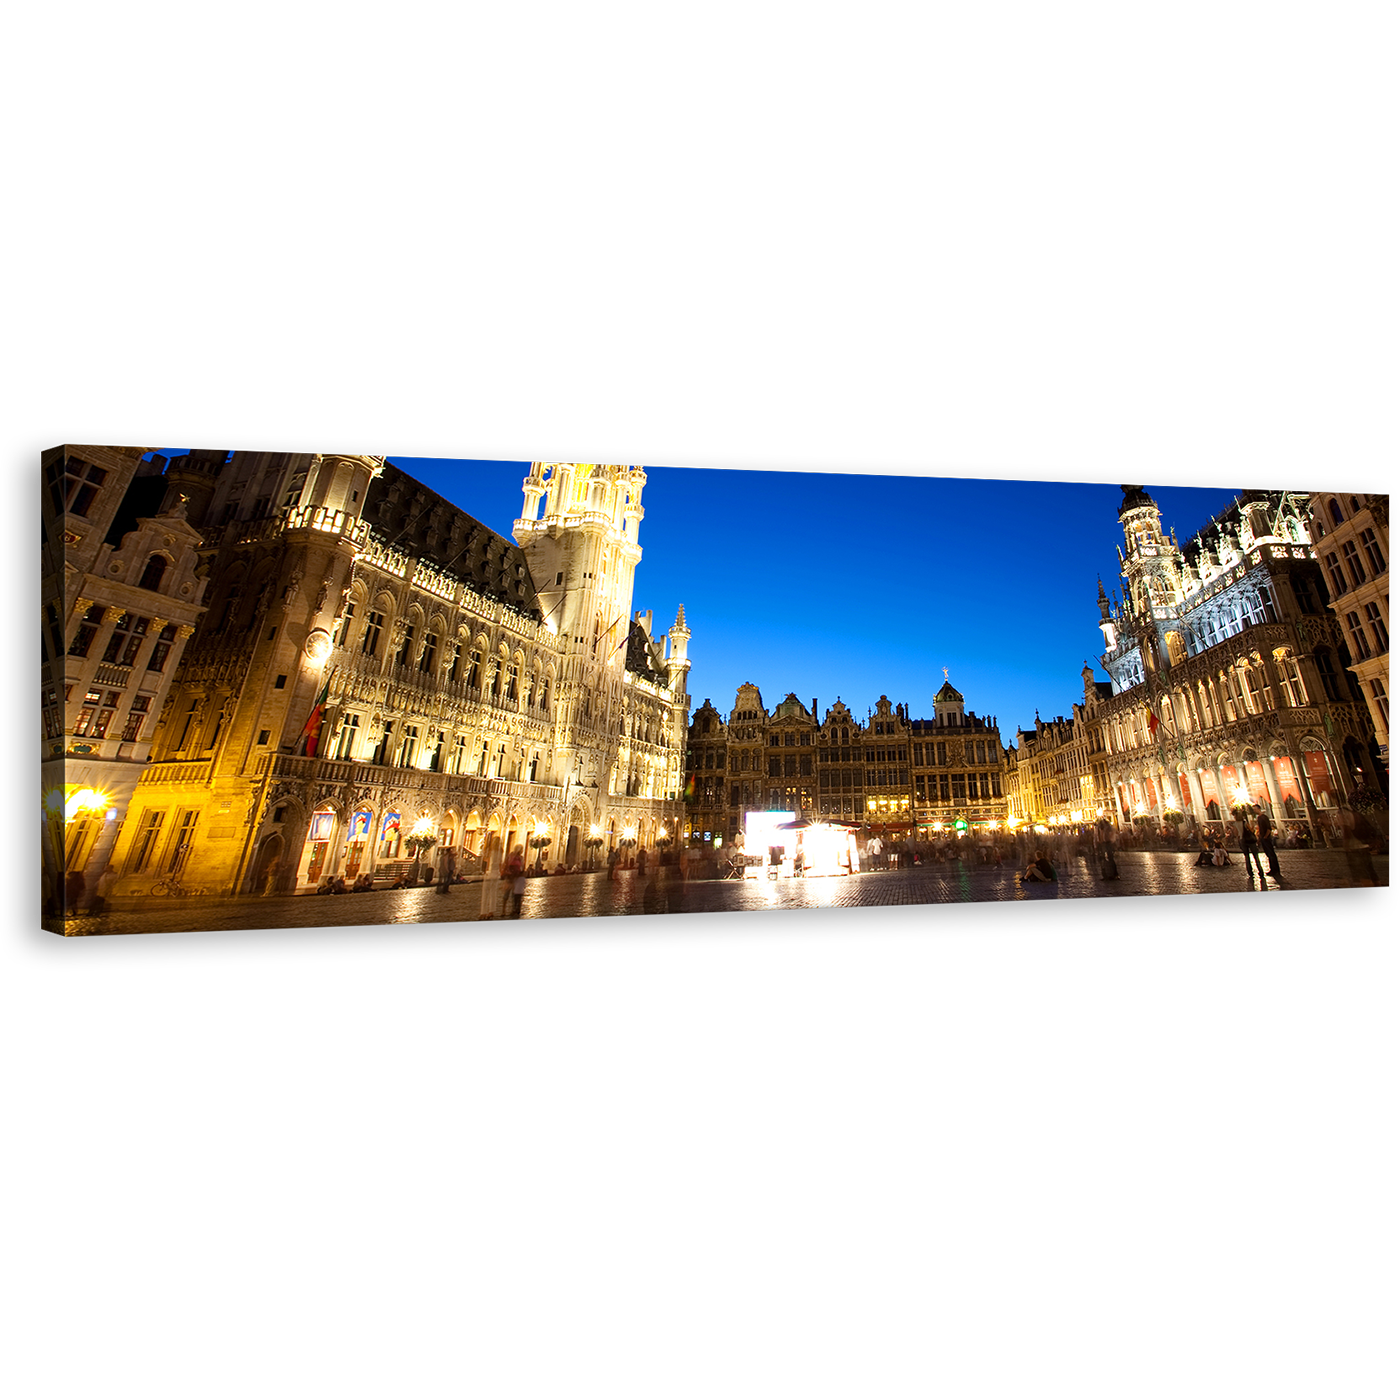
(346, 659)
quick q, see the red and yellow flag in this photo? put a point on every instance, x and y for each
(311, 730)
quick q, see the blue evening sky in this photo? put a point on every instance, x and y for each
(859, 586)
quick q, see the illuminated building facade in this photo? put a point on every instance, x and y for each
(120, 596)
(1229, 676)
(374, 664)
(959, 766)
(897, 776)
(1352, 535)
(1054, 780)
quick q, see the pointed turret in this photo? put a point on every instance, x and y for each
(677, 662)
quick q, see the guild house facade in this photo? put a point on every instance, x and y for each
(364, 663)
(895, 776)
(122, 591)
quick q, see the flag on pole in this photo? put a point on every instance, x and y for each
(1152, 723)
(311, 730)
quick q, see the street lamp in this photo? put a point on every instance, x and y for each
(420, 840)
(593, 840)
(539, 841)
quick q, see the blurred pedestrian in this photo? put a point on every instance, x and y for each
(491, 880)
(1266, 841)
(447, 868)
(105, 881)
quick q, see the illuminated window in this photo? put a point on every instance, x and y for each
(374, 626)
(345, 740)
(1373, 551)
(87, 631)
(144, 846)
(1353, 562)
(160, 653)
(184, 839)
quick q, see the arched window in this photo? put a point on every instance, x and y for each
(1336, 510)
(156, 566)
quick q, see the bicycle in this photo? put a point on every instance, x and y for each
(173, 889)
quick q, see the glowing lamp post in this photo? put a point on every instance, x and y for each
(539, 841)
(629, 839)
(663, 838)
(1240, 801)
(420, 840)
(593, 840)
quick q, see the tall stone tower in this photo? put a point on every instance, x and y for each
(578, 532)
(583, 550)
(1151, 575)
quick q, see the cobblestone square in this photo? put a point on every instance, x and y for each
(587, 895)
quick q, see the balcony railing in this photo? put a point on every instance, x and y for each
(339, 770)
(197, 770)
(108, 673)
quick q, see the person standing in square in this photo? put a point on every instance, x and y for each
(1266, 841)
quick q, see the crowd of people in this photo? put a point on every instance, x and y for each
(1252, 836)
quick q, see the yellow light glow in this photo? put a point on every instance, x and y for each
(83, 802)
(661, 834)
(1242, 797)
(629, 833)
(595, 830)
(421, 827)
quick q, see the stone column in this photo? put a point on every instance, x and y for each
(101, 852)
(1274, 680)
(1300, 776)
(336, 861)
(105, 628)
(1222, 796)
(1156, 781)
(1198, 796)
(1275, 796)
(293, 852)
